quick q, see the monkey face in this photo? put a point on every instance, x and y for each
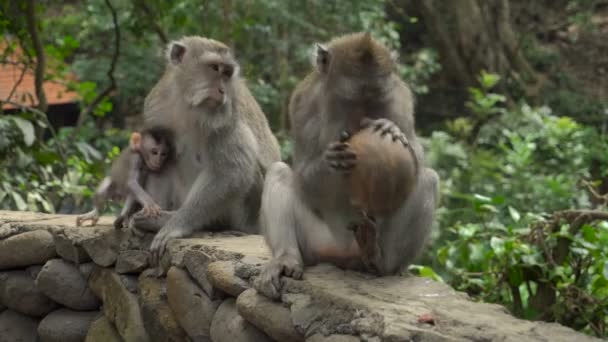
(155, 153)
(205, 71)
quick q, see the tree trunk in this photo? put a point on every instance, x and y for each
(476, 35)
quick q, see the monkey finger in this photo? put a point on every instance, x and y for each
(366, 122)
(341, 155)
(338, 146)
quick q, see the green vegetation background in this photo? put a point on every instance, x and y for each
(521, 149)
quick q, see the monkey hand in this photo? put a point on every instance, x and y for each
(269, 282)
(340, 157)
(159, 244)
(119, 223)
(151, 210)
(384, 127)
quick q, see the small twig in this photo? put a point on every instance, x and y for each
(16, 85)
(112, 86)
(152, 20)
(42, 114)
(596, 195)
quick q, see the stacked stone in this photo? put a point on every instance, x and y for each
(94, 284)
(40, 294)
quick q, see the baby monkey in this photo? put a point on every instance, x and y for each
(148, 151)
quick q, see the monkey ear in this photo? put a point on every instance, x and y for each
(135, 141)
(175, 52)
(322, 57)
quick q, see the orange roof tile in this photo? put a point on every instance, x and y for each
(56, 93)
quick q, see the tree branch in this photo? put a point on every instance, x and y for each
(112, 86)
(30, 16)
(162, 35)
(16, 85)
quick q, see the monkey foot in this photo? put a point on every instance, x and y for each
(366, 235)
(269, 282)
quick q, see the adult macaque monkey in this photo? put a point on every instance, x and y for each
(148, 152)
(224, 144)
(307, 216)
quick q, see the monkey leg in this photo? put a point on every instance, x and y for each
(403, 236)
(294, 233)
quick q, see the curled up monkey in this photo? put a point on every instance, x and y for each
(364, 202)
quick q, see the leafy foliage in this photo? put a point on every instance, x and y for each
(504, 235)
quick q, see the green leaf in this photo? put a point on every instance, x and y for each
(426, 272)
(514, 214)
(19, 202)
(27, 130)
(498, 245)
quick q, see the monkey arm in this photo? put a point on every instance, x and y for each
(228, 178)
(137, 175)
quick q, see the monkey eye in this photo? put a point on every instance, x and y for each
(215, 67)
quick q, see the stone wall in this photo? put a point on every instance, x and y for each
(62, 283)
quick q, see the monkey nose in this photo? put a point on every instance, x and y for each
(221, 91)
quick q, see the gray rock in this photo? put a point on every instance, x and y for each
(65, 325)
(16, 327)
(102, 250)
(130, 282)
(191, 306)
(87, 269)
(222, 275)
(7, 230)
(229, 326)
(333, 338)
(102, 330)
(119, 305)
(157, 315)
(272, 318)
(196, 263)
(132, 261)
(33, 271)
(69, 248)
(18, 291)
(64, 283)
(30, 248)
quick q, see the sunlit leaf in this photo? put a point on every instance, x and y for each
(27, 130)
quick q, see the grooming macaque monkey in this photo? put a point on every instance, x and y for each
(223, 141)
(148, 152)
(307, 215)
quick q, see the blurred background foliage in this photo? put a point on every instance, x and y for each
(512, 106)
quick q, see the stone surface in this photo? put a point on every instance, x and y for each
(104, 247)
(102, 330)
(64, 283)
(332, 301)
(18, 291)
(16, 327)
(69, 249)
(328, 305)
(25, 249)
(229, 326)
(196, 263)
(191, 306)
(271, 317)
(132, 261)
(65, 325)
(119, 305)
(333, 338)
(158, 318)
(222, 275)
